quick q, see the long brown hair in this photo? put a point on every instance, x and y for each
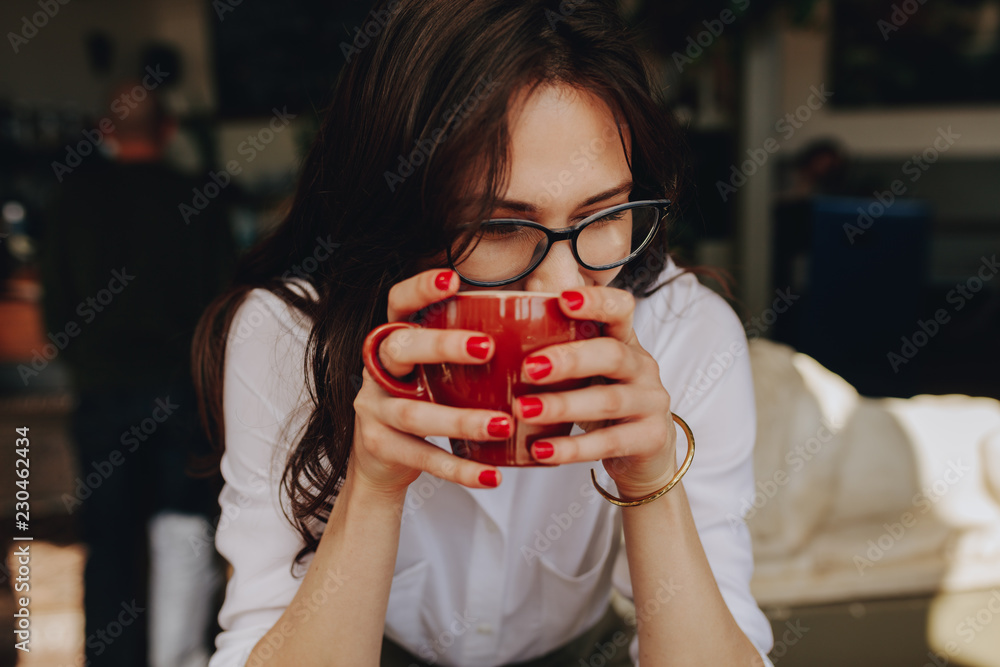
(414, 112)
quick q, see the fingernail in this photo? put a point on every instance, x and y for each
(537, 367)
(573, 299)
(488, 478)
(443, 280)
(543, 450)
(478, 347)
(530, 406)
(499, 427)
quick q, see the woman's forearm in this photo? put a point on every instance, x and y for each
(682, 617)
(338, 614)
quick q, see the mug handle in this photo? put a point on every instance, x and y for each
(392, 384)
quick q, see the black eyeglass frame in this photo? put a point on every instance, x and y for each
(571, 234)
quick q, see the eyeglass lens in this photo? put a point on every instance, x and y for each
(503, 250)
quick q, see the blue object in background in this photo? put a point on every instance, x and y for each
(862, 272)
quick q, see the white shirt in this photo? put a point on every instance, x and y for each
(487, 577)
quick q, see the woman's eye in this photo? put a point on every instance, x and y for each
(607, 219)
(500, 231)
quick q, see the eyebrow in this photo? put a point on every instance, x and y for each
(525, 207)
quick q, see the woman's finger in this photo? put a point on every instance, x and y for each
(388, 451)
(414, 453)
(595, 403)
(404, 348)
(424, 419)
(606, 357)
(420, 291)
(610, 305)
(613, 442)
(447, 466)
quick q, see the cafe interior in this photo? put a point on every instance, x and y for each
(845, 157)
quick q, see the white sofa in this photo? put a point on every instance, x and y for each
(865, 498)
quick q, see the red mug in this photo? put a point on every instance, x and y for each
(519, 323)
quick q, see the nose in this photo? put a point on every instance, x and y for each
(559, 271)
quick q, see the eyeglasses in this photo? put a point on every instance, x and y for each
(503, 251)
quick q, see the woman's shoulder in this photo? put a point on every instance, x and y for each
(698, 341)
(267, 347)
(265, 312)
(266, 388)
(682, 302)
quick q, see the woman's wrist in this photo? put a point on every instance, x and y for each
(649, 478)
(631, 488)
(374, 496)
(637, 478)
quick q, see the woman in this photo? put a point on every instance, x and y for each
(351, 536)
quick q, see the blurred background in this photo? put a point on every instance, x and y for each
(845, 162)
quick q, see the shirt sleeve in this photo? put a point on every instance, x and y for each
(701, 349)
(265, 403)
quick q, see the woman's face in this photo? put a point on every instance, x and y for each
(566, 163)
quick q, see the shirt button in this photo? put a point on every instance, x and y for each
(484, 629)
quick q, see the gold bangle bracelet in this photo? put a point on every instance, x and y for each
(655, 494)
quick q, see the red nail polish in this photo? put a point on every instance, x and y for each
(499, 427)
(543, 450)
(573, 299)
(488, 478)
(443, 280)
(478, 346)
(530, 406)
(537, 367)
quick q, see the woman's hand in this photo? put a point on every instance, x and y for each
(627, 418)
(389, 450)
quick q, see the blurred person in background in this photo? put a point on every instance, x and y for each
(819, 168)
(126, 278)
